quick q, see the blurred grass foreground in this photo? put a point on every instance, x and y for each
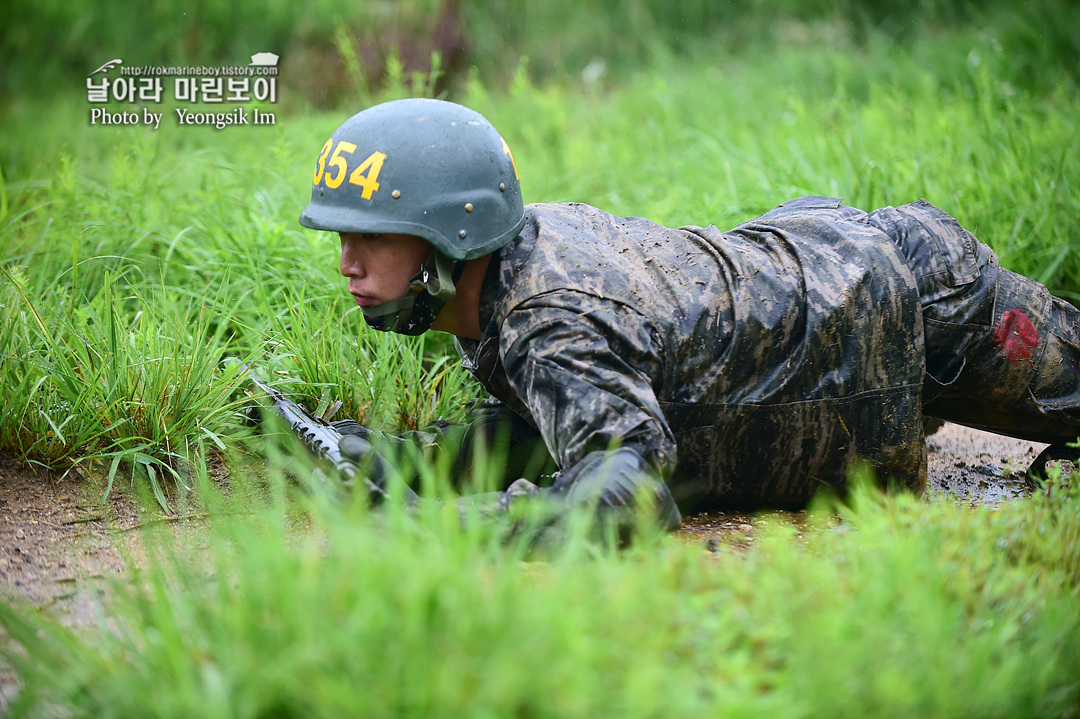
(133, 260)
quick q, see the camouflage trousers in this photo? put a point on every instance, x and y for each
(1002, 353)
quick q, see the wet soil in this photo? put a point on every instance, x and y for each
(964, 465)
(59, 543)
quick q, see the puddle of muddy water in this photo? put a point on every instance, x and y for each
(965, 465)
(974, 467)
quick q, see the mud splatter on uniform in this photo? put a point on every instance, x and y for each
(755, 366)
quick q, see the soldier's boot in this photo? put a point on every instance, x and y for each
(1036, 473)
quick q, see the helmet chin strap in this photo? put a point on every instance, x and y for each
(430, 289)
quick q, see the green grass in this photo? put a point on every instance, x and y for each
(48, 44)
(890, 608)
(133, 262)
(196, 228)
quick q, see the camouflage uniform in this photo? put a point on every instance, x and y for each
(757, 366)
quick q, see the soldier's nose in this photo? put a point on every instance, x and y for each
(350, 265)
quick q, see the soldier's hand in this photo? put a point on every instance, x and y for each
(376, 470)
(352, 427)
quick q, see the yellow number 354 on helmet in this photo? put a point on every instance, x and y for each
(428, 168)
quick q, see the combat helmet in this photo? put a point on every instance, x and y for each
(429, 168)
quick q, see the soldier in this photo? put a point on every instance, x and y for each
(689, 369)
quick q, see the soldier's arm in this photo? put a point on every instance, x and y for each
(585, 368)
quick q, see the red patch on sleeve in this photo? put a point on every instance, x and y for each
(1016, 336)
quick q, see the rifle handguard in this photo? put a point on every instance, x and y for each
(326, 442)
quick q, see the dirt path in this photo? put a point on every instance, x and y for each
(59, 543)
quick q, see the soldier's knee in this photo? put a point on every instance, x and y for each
(1055, 387)
(1019, 372)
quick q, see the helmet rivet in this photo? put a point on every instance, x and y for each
(468, 207)
(502, 187)
(395, 194)
(461, 234)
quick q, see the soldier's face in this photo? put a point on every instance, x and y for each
(379, 267)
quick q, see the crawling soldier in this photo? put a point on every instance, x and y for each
(693, 368)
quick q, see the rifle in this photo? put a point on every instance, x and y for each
(324, 441)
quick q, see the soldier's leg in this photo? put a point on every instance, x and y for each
(1002, 354)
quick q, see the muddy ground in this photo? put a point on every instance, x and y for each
(59, 544)
(964, 465)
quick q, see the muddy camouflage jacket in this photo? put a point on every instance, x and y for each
(739, 368)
